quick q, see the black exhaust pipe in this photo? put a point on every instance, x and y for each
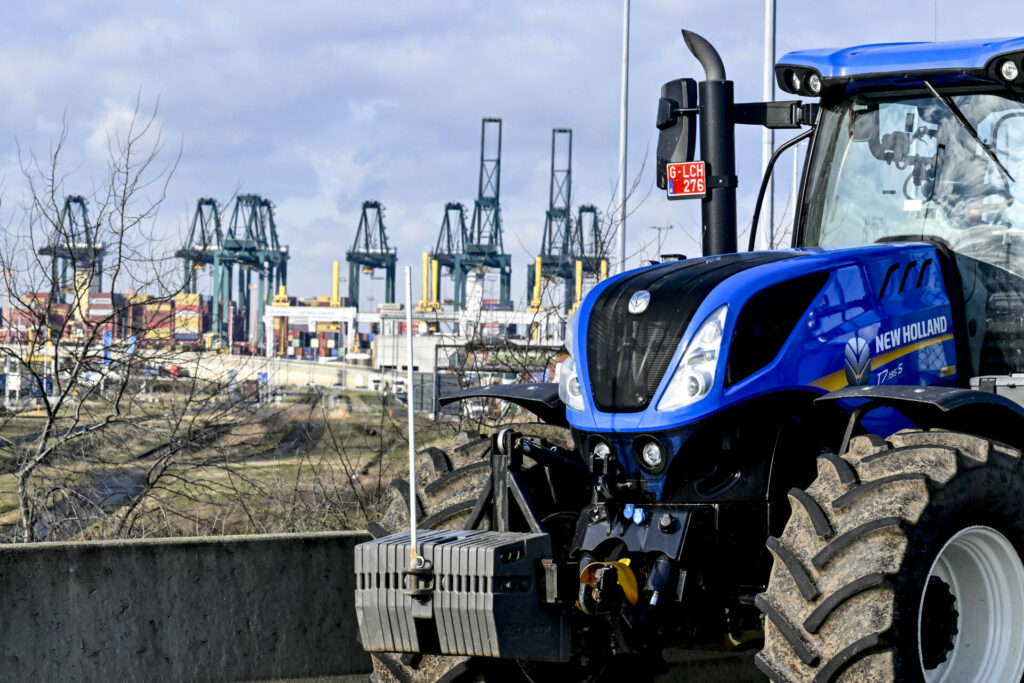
(717, 148)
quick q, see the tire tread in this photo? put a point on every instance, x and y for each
(852, 550)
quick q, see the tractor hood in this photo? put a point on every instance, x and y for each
(664, 346)
(635, 325)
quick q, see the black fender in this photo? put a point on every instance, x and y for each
(963, 410)
(540, 398)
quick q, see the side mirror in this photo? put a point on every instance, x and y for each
(677, 125)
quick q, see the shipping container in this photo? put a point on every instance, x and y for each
(157, 333)
(186, 302)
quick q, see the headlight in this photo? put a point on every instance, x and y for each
(1008, 70)
(794, 81)
(652, 454)
(695, 375)
(814, 84)
(569, 385)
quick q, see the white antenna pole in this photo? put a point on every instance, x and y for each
(409, 396)
(622, 137)
(767, 134)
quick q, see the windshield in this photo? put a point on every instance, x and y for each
(893, 167)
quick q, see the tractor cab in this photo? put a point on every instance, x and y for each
(906, 149)
(927, 154)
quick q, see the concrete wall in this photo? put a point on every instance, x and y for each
(221, 609)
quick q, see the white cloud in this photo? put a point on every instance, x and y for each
(340, 179)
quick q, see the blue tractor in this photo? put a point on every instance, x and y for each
(813, 451)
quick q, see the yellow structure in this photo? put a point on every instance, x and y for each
(579, 286)
(335, 286)
(80, 305)
(281, 322)
(435, 284)
(534, 306)
(431, 271)
(579, 282)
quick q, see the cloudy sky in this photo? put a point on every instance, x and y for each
(321, 105)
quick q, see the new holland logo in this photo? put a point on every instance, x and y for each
(639, 302)
(858, 362)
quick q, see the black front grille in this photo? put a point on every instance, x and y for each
(627, 355)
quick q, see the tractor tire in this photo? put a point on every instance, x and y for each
(901, 562)
(448, 483)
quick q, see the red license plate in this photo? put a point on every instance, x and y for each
(686, 180)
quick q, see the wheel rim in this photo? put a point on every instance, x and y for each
(984, 574)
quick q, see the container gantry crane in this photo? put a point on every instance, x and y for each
(74, 249)
(483, 248)
(556, 258)
(370, 251)
(251, 243)
(204, 237)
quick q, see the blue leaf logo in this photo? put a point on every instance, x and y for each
(858, 362)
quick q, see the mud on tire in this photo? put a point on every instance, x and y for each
(853, 562)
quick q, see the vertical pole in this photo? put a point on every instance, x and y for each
(284, 336)
(435, 409)
(242, 305)
(767, 134)
(538, 271)
(389, 283)
(622, 137)
(794, 188)
(579, 285)
(7, 309)
(353, 283)
(7, 339)
(254, 312)
(268, 333)
(411, 415)
(216, 294)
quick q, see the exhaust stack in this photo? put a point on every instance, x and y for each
(717, 148)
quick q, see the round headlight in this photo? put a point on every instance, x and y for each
(601, 450)
(1008, 70)
(652, 454)
(794, 81)
(814, 84)
(696, 383)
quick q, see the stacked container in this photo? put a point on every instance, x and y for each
(187, 318)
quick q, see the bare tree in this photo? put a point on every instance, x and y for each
(90, 285)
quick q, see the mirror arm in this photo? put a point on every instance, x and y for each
(787, 114)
